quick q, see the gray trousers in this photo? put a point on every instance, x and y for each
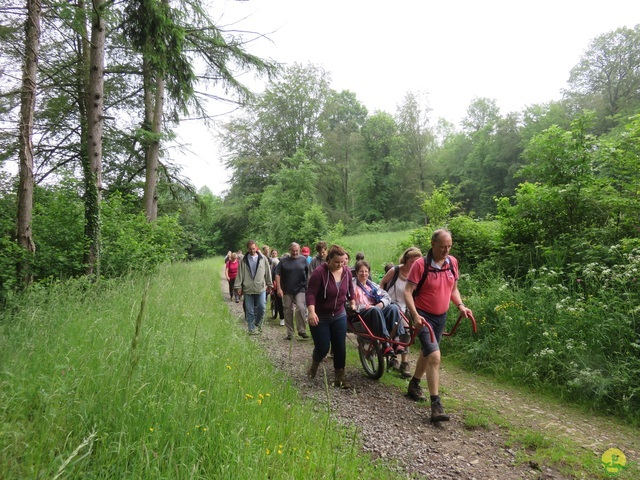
(297, 300)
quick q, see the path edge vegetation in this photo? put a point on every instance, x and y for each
(132, 376)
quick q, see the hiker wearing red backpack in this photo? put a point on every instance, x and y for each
(432, 284)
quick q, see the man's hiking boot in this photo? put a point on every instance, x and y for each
(340, 380)
(313, 369)
(405, 370)
(415, 391)
(437, 412)
(304, 335)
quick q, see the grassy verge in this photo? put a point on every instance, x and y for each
(378, 249)
(534, 446)
(153, 379)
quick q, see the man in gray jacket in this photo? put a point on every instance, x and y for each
(254, 281)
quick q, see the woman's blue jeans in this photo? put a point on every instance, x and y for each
(331, 332)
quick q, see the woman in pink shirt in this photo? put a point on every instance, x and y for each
(375, 307)
(231, 272)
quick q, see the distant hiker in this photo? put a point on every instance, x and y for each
(394, 282)
(321, 257)
(253, 280)
(266, 251)
(330, 288)
(359, 257)
(431, 285)
(306, 253)
(230, 273)
(291, 279)
(274, 295)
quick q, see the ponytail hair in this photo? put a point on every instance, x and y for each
(411, 252)
(335, 251)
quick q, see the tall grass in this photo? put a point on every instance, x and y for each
(378, 249)
(152, 378)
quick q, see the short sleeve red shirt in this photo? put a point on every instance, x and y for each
(233, 268)
(435, 293)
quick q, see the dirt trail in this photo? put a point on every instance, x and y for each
(450, 450)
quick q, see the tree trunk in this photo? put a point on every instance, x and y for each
(154, 105)
(94, 101)
(27, 109)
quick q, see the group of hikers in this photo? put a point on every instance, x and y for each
(324, 289)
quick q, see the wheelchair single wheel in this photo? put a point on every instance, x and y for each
(372, 358)
(274, 310)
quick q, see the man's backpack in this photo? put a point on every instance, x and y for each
(427, 265)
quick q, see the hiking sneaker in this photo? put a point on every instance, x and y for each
(437, 412)
(415, 391)
(304, 335)
(405, 370)
(394, 363)
(282, 322)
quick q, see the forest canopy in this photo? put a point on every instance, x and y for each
(88, 185)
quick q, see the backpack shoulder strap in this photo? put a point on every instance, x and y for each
(425, 272)
(392, 282)
(454, 267)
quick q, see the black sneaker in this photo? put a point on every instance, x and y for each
(437, 413)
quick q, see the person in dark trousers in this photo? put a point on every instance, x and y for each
(291, 279)
(431, 286)
(275, 297)
(231, 272)
(330, 288)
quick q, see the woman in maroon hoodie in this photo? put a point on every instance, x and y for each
(330, 287)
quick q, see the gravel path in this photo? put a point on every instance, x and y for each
(444, 451)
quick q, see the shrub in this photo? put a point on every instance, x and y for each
(130, 242)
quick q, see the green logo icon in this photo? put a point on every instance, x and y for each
(614, 461)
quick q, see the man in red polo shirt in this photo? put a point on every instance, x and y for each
(427, 298)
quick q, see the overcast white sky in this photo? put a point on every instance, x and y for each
(518, 52)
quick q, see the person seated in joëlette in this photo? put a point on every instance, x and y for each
(375, 307)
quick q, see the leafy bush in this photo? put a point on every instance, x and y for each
(130, 242)
(58, 231)
(474, 242)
